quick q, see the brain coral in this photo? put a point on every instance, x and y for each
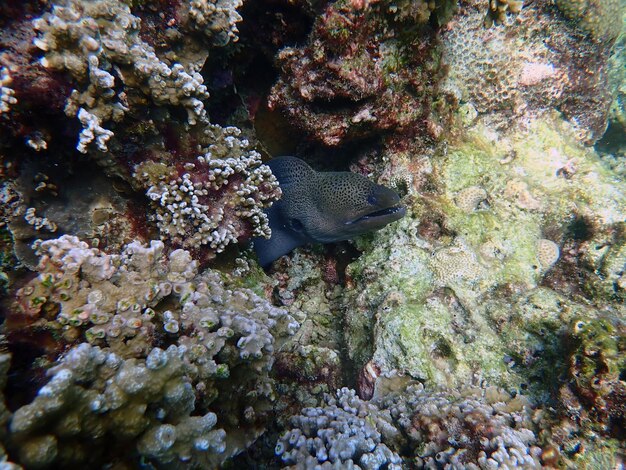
(115, 388)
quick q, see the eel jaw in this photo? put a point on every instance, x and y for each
(380, 217)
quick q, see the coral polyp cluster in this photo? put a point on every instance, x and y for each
(214, 200)
(98, 43)
(335, 435)
(472, 427)
(7, 97)
(113, 310)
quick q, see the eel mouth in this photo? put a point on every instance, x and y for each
(388, 214)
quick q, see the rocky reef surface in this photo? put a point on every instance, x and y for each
(486, 329)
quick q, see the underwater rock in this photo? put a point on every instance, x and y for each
(596, 370)
(532, 66)
(423, 305)
(601, 19)
(359, 77)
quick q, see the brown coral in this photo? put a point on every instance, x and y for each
(354, 80)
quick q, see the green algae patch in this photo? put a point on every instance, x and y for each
(466, 303)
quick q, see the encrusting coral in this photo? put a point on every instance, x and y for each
(530, 67)
(601, 19)
(356, 78)
(115, 385)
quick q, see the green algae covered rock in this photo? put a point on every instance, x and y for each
(599, 18)
(467, 303)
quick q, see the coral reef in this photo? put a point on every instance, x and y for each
(214, 200)
(355, 79)
(509, 269)
(537, 64)
(336, 435)
(115, 385)
(437, 295)
(472, 427)
(601, 19)
(97, 43)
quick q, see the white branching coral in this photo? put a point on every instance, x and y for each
(217, 199)
(92, 130)
(175, 404)
(7, 97)
(217, 19)
(98, 43)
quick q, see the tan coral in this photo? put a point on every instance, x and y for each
(548, 253)
(453, 263)
(468, 199)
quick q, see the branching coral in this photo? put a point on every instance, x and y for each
(337, 435)
(94, 394)
(98, 43)
(7, 97)
(129, 391)
(498, 10)
(470, 428)
(215, 200)
(473, 427)
(217, 19)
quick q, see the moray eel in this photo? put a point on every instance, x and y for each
(322, 207)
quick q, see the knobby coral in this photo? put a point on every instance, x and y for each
(214, 200)
(116, 387)
(98, 43)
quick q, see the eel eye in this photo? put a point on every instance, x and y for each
(296, 225)
(372, 200)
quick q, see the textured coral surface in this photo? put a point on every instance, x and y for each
(483, 330)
